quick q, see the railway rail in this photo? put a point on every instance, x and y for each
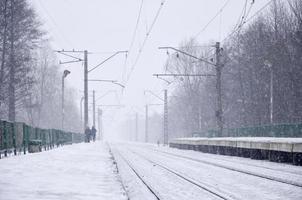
(202, 186)
(153, 192)
(280, 180)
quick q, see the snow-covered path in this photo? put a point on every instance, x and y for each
(181, 174)
(75, 172)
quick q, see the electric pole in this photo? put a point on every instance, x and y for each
(86, 71)
(218, 87)
(146, 125)
(218, 67)
(166, 133)
(85, 89)
(165, 123)
(93, 109)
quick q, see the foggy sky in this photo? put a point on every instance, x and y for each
(106, 26)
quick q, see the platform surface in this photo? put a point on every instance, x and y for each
(267, 143)
(81, 171)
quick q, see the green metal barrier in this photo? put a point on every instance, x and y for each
(275, 130)
(17, 137)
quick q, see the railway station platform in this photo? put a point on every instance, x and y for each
(287, 150)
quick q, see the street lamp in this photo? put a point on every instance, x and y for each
(65, 74)
(86, 71)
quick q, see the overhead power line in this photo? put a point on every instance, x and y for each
(132, 40)
(136, 26)
(213, 18)
(145, 39)
(247, 20)
(55, 24)
(241, 16)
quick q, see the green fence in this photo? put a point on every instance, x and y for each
(276, 130)
(16, 137)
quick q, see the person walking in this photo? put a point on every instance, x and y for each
(93, 133)
(87, 134)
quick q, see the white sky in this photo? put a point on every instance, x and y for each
(104, 26)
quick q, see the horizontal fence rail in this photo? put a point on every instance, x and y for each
(19, 137)
(275, 130)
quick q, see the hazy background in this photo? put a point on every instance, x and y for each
(103, 27)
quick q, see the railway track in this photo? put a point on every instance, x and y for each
(258, 166)
(152, 191)
(280, 180)
(206, 188)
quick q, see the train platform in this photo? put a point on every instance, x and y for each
(79, 171)
(270, 148)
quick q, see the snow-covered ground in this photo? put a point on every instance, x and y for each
(75, 172)
(143, 172)
(175, 174)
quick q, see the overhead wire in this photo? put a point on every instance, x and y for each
(55, 24)
(238, 28)
(212, 19)
(132, 40)
(145, 40)
(136, 26)
(241, 20)
(243, 15)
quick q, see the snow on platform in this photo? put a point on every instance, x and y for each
(267, 143)
(81, 171)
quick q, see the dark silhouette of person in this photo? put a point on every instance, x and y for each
(87, 134)
(93, 133)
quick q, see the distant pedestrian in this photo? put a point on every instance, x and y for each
(93, 133)
(87, 134)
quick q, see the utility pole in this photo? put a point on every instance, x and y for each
(86, 71)
(165, 123)
(166, 133)
(136, 127)
(218, 66)
(85, 88)
(146, 124)
(93, 114)
(218, 87)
